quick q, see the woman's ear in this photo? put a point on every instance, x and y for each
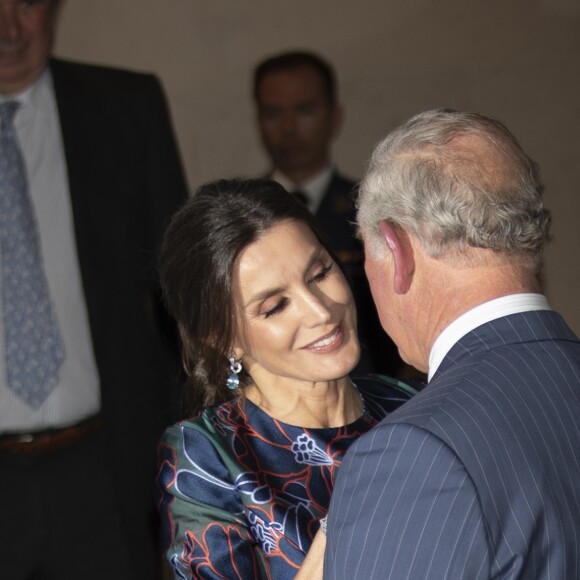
(399, 244)
(238, 352)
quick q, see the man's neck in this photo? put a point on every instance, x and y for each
(314, 189)
(294, 180)
(447, 289)
(301, 176)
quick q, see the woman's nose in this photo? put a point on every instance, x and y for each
(316, 309)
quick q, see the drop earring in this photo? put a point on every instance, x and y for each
(233, 380)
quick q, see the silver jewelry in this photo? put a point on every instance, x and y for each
(323, 522)
(233, 381)
(364, 407)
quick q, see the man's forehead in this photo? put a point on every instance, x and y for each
(299, 83)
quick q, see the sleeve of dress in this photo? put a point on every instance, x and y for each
(204, 530)
(404, 506)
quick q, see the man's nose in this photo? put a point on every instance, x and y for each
(289, 122)
(9, 21)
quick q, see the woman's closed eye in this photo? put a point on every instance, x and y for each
(322, 274)
(277, 307)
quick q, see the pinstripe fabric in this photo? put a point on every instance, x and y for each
(476, 477)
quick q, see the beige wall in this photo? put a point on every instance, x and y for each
(517, 60)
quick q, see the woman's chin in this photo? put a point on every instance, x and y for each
(347, 360)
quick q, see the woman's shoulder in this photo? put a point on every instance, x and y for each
(204, 443)
(196, 463)
(211, 420)
(383, 394)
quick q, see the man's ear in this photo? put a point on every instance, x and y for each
(403, 257)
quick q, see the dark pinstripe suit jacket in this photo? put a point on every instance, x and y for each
(476, 477)
(125, 181)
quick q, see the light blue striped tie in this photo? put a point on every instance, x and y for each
(32, 343)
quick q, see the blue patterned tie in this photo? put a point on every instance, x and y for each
(32, 344)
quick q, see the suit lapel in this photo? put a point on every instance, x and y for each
(77, 121)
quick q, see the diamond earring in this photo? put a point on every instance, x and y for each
(235, 367)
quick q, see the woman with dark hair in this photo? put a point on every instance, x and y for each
(268, 330)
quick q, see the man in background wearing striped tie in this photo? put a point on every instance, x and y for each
(89, 174)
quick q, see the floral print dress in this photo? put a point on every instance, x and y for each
(241, 494)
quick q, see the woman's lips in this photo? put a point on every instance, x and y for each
(328, 342)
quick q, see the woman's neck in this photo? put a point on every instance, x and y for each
(312, 405)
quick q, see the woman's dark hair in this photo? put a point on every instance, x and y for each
(197, 259)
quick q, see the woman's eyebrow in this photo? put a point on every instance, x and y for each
(265, 294)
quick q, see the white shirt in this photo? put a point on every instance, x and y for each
(77, 394)
(492, 310)
(314, 188)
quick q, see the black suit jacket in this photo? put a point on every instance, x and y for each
(337, 216)
(125, 180)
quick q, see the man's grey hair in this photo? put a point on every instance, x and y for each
(455, 180)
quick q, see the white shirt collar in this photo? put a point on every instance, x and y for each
(314, 188)
(33, 99)
(30, 92)
(479, 315)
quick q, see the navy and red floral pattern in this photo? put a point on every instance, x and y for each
(241, 494)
